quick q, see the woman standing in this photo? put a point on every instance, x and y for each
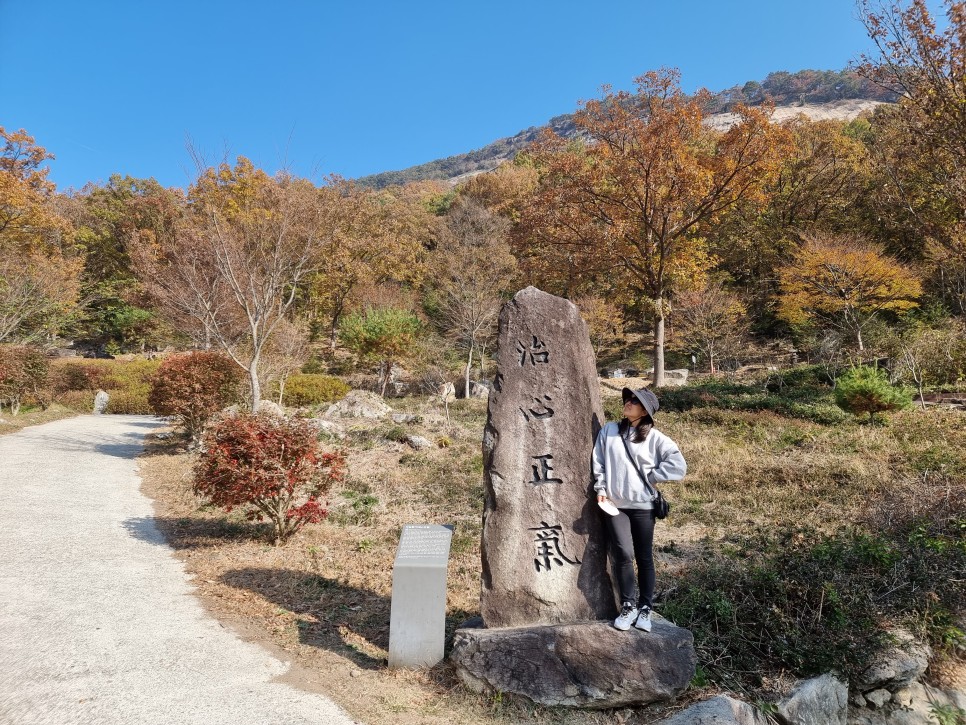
(623, 454)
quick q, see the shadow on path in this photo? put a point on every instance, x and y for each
(183, 533)
(328, 609)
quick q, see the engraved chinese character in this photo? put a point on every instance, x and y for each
(542, 470)
(547, 540)
(537, 351)
(540, 411)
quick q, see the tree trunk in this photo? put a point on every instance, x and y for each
(658, 343)
(387, 370)
(255, 385)
(469, 364)
(858, 337)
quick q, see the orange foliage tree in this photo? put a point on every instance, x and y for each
(237, 262)
(39, 270)
(844, 281)
(375, 237)
(631, 201)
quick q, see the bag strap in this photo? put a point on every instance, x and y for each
(651, 491)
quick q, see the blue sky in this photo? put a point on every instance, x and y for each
(355, 88)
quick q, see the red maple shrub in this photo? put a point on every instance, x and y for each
(274, 466)
(23, 377)
(192, 387)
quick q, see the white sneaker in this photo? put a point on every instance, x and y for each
(628, 614)
(643, 620)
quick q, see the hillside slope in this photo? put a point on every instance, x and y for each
(840, 95)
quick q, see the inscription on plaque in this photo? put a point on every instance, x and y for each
(423, 542)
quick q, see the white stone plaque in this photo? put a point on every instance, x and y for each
(417, 619)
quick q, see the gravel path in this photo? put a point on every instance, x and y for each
(98, 623)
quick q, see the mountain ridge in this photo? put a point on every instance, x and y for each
(839, 95)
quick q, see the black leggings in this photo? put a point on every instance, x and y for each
(632, 538)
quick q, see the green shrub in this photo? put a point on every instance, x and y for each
(80, 401)
(127, 382)
(313, 389)
(799, 601)
(867, 389)
(133, 401)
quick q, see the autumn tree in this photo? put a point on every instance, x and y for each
(108, 219)
(375, 237)
(844, 282)
(39, 267)
(605, 321)
(473, 269)
(924, 166)
(236, 264)
(711, 321)
(820, 183)
(631, 201)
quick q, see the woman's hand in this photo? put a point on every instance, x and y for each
(601, 497)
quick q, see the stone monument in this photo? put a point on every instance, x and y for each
(100, 402)
(417, 617)
(546, 594)
(544, 552)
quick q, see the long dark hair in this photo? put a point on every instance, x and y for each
(641, 430)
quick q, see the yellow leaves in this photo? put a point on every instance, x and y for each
(844, 276)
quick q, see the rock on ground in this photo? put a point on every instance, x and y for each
(359, 404)
(818, 701)
(589, 665)
(897, 666)
(719, 710)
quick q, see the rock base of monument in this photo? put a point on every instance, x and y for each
(586, 664)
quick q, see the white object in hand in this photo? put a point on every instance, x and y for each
(608, 506)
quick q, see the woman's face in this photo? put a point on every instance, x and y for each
(633, 409)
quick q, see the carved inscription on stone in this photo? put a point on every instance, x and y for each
(544, 554)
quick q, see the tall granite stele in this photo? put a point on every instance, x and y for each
(546, 597)
(544, 549)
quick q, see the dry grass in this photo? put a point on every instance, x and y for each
(13, 423)
(322, 600)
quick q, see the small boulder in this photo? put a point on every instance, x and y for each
(479, 390)
(877, 698)
(359, 404)
(419, 443)
(403, 418)
(818, 701)
(100, 402)
(719, 710)
(329, 429)
(270, 407)
(895, 667)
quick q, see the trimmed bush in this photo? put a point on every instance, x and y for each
(127, 382)
(127, 402)
(80, 401)
(193, 387)
(866, 389)
(23, 376)
(272, 466)
(313, 389)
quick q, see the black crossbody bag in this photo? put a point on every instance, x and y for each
(661, 507)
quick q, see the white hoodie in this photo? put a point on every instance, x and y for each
(657, 456)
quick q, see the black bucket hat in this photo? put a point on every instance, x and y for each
(645, 397)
